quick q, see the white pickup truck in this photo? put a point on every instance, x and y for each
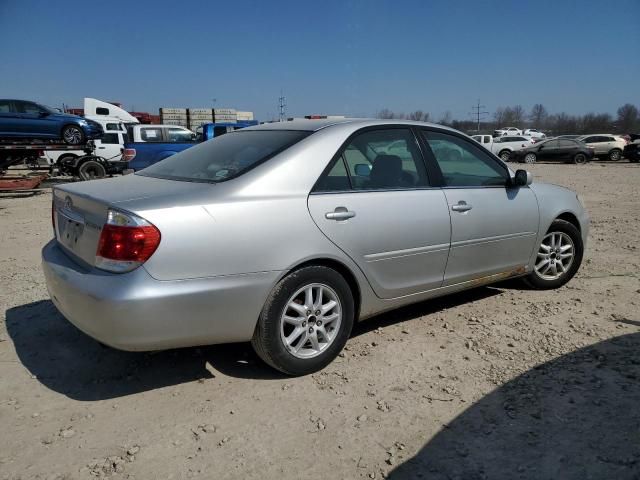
(503, 146)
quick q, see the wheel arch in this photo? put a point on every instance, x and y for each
(571, 218)
(339, 267)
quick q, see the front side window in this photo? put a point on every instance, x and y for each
(29, 108)
(550, 144)
(151, 134)
(5, 106)
(463, 164)
(113, 126)
(225, 157)
(102, 111)
(179, 135)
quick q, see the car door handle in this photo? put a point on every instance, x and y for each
(340, 213)
(461, 206)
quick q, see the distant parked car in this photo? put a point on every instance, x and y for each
(503, 146)
(148, 144)
(605, 145)
(556, 149)
(30, 120)
(632, 150)
(501, 132)
(534, 133)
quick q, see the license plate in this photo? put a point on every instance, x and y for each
(69, 231)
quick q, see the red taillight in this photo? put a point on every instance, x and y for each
(128, 154)
(126, 242)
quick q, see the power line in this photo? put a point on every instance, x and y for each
(479, 113)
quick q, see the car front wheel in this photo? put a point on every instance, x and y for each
(305, 322)
(558, 258)
(73, 135)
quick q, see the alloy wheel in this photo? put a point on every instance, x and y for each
(555, 256)
(530, 158)
(72, 135)
(311, 320)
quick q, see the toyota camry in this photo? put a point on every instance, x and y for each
(285, 234)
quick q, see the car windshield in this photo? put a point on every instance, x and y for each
(224, 157)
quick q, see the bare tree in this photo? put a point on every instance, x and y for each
(386, 113)
(538, 115)
(445, 118)
(498, 116)
(518, 115)
(627, 118)
(596, 123)
(419, 116)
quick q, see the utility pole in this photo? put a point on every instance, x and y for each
(282, 107)
(479, 113)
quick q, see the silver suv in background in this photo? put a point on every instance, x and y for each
(605, 145)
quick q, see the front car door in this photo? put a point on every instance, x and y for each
(548, 150)
(36, 121)
(493, 225)
(109, 146)
(376, 203)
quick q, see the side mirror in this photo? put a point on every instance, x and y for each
(362, 170)
(522, 178)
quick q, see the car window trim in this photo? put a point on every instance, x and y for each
(347, 142)
(490, 155)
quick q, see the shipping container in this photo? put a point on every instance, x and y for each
(182, 111)
(224, 111)
(200, 111)
(244, 115)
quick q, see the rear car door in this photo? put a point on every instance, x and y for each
(9, 121)
(567, 149)
(493, 225)
(375, 202)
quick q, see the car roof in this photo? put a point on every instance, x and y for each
(315, 125)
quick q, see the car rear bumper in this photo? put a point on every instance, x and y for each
(133, 311)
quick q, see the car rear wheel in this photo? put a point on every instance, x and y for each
(558, 258)
(73, 135)
(305, 322)
(530, 158)
(580, 159)
(91, 170)
(615, 155)
(504, 155)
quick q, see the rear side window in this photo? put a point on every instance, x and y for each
(564, 143)
(5, 106)
(179, 135)
(225, 157)
(110, 138)
(151, 134)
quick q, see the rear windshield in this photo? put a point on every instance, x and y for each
(224, 157)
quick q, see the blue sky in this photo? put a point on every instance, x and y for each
(351, 57)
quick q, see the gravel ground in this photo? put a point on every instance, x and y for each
(498, 382)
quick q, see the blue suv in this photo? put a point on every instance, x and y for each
(24, 119)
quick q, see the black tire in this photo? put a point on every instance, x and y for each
(504, 155)
(73, 135)
(615, 155)
(534, 280)
(580, 159)
(267, 341)
(91, 170)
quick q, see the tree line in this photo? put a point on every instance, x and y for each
(627, 120)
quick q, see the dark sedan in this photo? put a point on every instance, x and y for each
(557, 149)
(30, 120)
(632, 151)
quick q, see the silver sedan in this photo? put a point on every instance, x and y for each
(285, 234)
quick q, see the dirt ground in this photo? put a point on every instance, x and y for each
(499, 382)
